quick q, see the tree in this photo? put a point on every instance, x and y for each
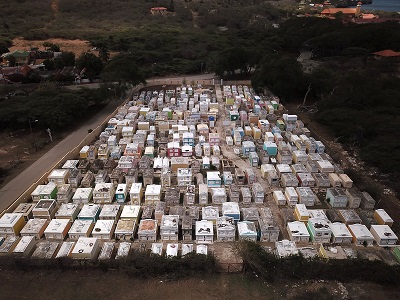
(3, 47)
(11, 61)
(104, 54)
(51, 47)
(282, 75)
(91, 63)
(123, 68)
(65, 59)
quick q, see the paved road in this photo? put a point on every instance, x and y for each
(10, 192)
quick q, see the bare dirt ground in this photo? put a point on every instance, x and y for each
(91, 284)
(76, 46)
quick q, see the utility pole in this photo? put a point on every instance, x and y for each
(30, 126)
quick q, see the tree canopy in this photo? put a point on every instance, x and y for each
(123, 69)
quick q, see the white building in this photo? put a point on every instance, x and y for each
(86, 248)
(247, 230)
(361, 235)
(11, 224)
(80, 228)
(103, 193)
(136, 193)
(204, 232)
(169, 227)
(226, 229)
(298, 231)
(340, 233)
(383, 235)
(57, 229)
(110, 212)
(152, 194)
(104, 229)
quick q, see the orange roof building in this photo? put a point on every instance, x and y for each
(387, 53)
(349, 12)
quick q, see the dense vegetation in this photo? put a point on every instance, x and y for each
(270, 268)
(358, 97)
(55, 106)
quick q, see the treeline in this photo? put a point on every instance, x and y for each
(137, 264)
(54, 106)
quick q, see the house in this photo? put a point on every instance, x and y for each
(11, 224)
(231, 209)
(354, 197)
(125, 229)
(291, 196)
(21, 57)
(210, 213)
(227, 178)
(88, 180)
(152, 194)
(218, 195)
(346, 12)
(279, 197)
(174, 149)
(45, 209)
(67, 211)
(203, 194)
(258, 192)
(130, 212)
(64, 193)
(301, 213)
(133, 149)
(80, 228)
(340, 233)
(204, 232)
(169, 227)
(101, 177)
(103, 152)
(110, 212)
(247, 147)
(147, 230)
(57, 229)
(48, 191)
(104, 229)
(25, 246)
(298, 231)
(25, 209)
(213, 179)
(103, 193)
(254, 159)
(172, 196)
(188, 138)
(187, 228)
(250, 175)
(187, 151)
(58, 176)
(319, 230)
(86, 248)
(246, 194)
(82, 195)
(179, 162)
(121, 193)
(75, 178)
(383, 218)
(383, 235)
(306, 196)
(206, 163)
(361, 235)
(349, 216)
(89, 212)
(269, 230)
(214, 139)
(136, 193)
(184, 176)
(226, 229)
(336, 197)
(321, 180)
(247, 231)
(190, 195)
